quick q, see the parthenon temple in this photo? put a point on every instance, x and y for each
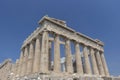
(56, 50)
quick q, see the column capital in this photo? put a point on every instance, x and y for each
(45, 30)
(84, 45)
(22, 49)
(76, 42)
(92, 49)
(56, 34)
(38, 36)
(67, 40)
(32, 42)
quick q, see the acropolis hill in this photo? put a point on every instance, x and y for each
(40, 57)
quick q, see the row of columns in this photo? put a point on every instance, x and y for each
(36, 58)
(98, 61)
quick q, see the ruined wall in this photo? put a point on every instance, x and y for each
(5, 69)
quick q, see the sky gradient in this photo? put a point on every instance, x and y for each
(95, 18)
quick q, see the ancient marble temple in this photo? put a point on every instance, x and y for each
(41, 55)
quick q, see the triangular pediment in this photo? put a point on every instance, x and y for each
(59, 27)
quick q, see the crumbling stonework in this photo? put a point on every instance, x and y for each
(40, 57)
(5, 69)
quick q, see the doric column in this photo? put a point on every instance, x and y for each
(105, 65)
(20, 63)
(44, 53)
(93, 60)
(78, 59)
(99, 62)
(30, 58)
(49, 55)
(86, 58)
(36, 64)
(57, 65)
(25, 61)
(22, 68)
(69, 64)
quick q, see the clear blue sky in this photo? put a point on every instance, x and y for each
(95, 18)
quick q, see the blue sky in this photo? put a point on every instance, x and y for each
(95, 18)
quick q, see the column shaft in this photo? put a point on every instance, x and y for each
(94, 64)
(69, 64)
(78, 59)
(22, 68)
(57, 65)
(44, 53)
(100, 66)
(36, 64)
(25, 61)
(30, 58)
(105, 65)
(20, 63)
(87, 63)
(50, 48)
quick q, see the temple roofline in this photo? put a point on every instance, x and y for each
(63, 25)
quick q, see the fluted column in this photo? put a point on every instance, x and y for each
(36, 64)
(69, 64)
(25, 61)
(20, 63)
(93, 60)
(30, 58)
(105, 65)
(86, 58)
(78, 59)
(22, 71)
(44, 53)
(100, 66)
(50, 49)
(57, 65)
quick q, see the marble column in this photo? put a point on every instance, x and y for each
(22, 68)
(44, 53)
(50, 48)
(93, 60)
(78, 59)
(20, 63)
(86, 58)
(99, 62)
(57, 65)
(30, 58)
(25, 60)
(105, 65)
(69, 63)
(36, 64)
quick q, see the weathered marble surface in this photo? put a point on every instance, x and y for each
(36, 52)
